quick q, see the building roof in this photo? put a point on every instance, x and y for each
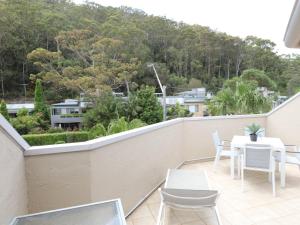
(15, 107)
(67, 102)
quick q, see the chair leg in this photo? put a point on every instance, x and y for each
(239, 166)
(242, 172)
(161, 208)
(217, 159)
(163, 215)
(273, 183)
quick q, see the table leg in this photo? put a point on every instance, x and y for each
(282, 169)
(232, 158)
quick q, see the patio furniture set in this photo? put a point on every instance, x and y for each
(262, 155)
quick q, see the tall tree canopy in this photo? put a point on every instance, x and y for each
(89, 48)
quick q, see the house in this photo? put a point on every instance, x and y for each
(67, 114)
(193, 100)
(13, 108)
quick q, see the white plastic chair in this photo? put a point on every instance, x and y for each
(223, 150)
(187, 191)
(258, 157)
(292, 155)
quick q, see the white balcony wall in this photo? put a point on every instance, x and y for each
(128, 169)
(13, 187)
(284, 121)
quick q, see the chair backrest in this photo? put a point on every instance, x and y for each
(258, 156)
(262, 132)
(182, 198)
(217, 140)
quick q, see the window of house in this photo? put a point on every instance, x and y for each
(56, 111)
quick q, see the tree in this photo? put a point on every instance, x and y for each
(115, 126)
(177, 111)
(89, 47)
(144, 105)
(24, 123)
(3, 110)
(106, 108)
(259, 77)
(244, 98)
(39, 102)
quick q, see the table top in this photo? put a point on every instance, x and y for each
(101, 213)
(241, 141)
(187, 179)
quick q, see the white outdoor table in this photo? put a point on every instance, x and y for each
(239, 142)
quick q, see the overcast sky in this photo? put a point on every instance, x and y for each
(262, 18)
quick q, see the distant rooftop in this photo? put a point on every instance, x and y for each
(15, 107)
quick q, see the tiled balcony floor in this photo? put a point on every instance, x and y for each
(255, 206)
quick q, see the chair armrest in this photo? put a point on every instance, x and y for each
(226, 143)
(293, 152)
(294, 147)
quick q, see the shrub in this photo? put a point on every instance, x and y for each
(177, 111)
(49, 139)
(25, 123)
(145, 106)
(136, 123)
(117, 126)
(97, 131)
(55, 130)
(107, 107)
(3, 110)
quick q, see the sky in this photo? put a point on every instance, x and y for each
(262, 18)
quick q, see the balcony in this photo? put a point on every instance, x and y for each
(66, 119)
(255, 206)
(131, 165)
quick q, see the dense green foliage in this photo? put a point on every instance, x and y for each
(56, 138)
(107, 107)
(259, 76)
(3, 110)
(239, 97)
(25, 123)
(145, 106)
(39, 103)
(177, 111)
(115, 126)
(85, 48)
(98, 130)
(142, 105)
(121, 125)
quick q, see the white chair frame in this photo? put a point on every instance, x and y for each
(292, 157)
(271, 167)
(223, 150)
(171, 200)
